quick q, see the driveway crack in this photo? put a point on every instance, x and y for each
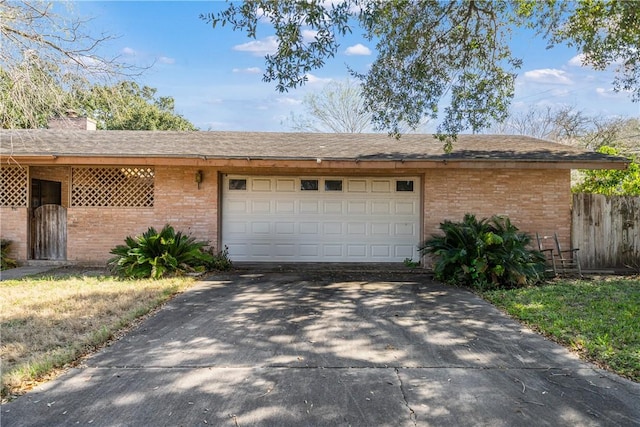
(412, 414)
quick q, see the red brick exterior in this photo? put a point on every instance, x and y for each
(535, 201)
(13, 227)
(93, 231)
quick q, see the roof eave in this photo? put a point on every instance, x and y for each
(361, 162)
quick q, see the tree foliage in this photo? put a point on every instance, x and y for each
(338, 107)
(46, 52)
(607, 32)
(127, 105)
(431, 51)
(554, 124)
(611, 182)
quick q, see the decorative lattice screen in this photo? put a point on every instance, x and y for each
(13, 185)
(120, 187)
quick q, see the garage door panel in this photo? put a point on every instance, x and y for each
(332, 228)
(380, 229)
(309, 250)
(382, 207)
(285, 206)
(356, 207)
(331, 250)
(378, 186)
(237, 206)
(404, 251)
(406, 208)
(357, 229)
(357, 185)
(309, 228)
(309, 207)
(380, 251)
(358, 251)
(236, 227)
(260, 227)
(405, 229)
(285, 250)
(285, 227)
(332, 207)
(259, 249)
(260, 206)
(339, 219)
(285, 185)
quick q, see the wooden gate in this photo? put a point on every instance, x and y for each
(49, 233)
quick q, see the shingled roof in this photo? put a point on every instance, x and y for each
(292, 146)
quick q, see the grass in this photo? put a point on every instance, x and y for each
(599, 319)
(50, 322)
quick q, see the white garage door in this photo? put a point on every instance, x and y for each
(325, 219)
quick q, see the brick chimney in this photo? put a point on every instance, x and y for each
(72, 121)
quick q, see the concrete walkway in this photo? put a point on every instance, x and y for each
(24, 271)
(330, 349)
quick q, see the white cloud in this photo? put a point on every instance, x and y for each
(309, 35)
(610, 93)
(250, 70)
(311, 79)
(288, 101)
(262, 47)
(577, 60)
(166, 60)
(548, 76)
(128, 51)
(358, 50)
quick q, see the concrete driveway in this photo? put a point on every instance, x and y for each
(329, 349)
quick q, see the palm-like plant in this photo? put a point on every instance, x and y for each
(156, 254)
(484, 253)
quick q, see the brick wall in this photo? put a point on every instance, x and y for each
(534, 200)
(13, 227)
(93, 231)
(77, 123)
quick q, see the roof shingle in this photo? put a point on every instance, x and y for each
(288, 146)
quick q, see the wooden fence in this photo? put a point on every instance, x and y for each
(606, 230)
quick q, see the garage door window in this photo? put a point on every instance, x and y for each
(237, 184)
(333, 185)
(404, 186)
(309, 184)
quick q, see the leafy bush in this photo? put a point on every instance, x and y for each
(611, 182)
(6, 262)
(156, 254)
(220, 260)
(486, 254)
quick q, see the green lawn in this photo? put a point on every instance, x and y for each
(600, 319)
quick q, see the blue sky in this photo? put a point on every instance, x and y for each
(215, 76)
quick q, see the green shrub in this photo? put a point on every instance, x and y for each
(156, 254)
(6, 262)
(486, 254)
(220, 260)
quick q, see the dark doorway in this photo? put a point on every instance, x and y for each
(45, 193)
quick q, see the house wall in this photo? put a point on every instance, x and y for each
(534, 200)
(93, 231)
(13, 227)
